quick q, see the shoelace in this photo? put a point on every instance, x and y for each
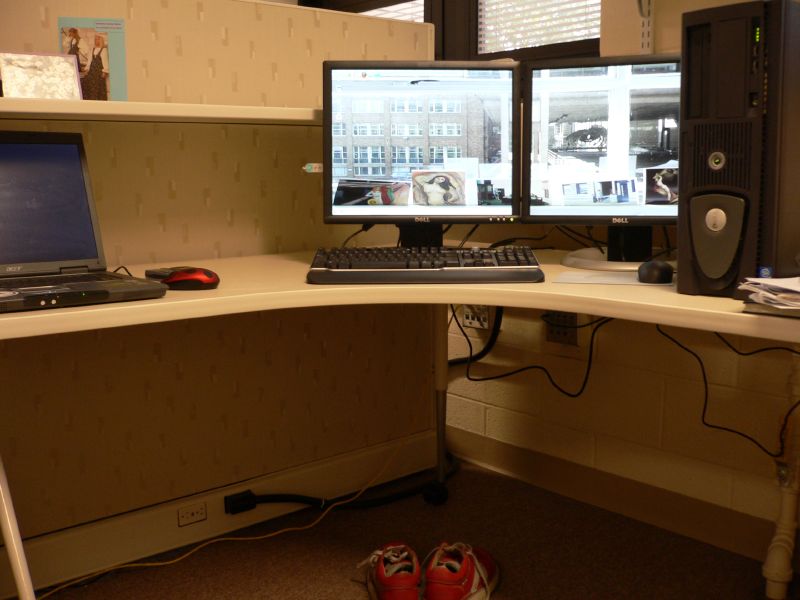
(396, 556)
(464, 549)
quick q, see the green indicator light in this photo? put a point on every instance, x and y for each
(758, 34)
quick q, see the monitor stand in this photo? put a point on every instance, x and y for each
(628, 247)
(415, 235)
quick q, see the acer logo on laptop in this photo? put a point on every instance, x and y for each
(13, 269)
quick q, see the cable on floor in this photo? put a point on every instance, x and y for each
(247, 500)
(254, 538)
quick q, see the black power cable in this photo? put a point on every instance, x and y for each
(598, 324)
(468, 235)
(488, 346)
(576, 237)
(785, 423)
(758, 351)
(248, 500)
(364, 227)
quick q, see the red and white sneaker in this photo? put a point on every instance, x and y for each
(460, 572)
(393, 573)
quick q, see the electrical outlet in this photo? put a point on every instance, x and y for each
(562, 328)
(192, 513)
(476, 316)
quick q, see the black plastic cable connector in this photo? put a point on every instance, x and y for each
(241, 502)
(247, 500)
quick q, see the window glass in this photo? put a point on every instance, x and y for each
(404, 11)
(512, 24)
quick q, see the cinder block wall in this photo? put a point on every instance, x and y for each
(640, 415)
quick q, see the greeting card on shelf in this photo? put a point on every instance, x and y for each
(99, 48)
(39, 76)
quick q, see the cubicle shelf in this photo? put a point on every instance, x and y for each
(154, 112)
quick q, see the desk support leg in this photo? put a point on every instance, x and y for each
(440, 374)
(777, 567)
(13, 541)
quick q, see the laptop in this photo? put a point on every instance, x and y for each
(50, 249)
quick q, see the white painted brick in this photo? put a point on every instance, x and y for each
(625, 403)
(641, 346)
(757, 415)
(535, 434)
(672, 472)
(466, 414)
(755, 495)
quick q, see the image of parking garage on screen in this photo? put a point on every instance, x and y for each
(421, 142)
(604, 141)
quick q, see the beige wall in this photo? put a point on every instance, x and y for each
(640, 416)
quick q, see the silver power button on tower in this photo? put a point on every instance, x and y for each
(716, 219)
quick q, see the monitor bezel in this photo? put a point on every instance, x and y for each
(525, 200)
(327, 141)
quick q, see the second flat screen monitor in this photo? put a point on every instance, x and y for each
(603, 144)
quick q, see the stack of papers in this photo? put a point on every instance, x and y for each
(783, 293)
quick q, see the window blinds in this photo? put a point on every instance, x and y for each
(512, 24)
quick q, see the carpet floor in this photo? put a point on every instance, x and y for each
(547, 546)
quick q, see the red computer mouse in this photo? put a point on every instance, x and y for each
(185, 278)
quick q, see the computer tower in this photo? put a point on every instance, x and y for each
(739, 188)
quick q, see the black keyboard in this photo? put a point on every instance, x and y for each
(509, 264)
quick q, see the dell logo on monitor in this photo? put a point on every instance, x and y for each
(422, 219)
(618, 220)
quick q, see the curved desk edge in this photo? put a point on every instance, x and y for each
(273, 282)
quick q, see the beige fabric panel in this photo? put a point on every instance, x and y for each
(222, 51)
(182, 192)
(99, 423)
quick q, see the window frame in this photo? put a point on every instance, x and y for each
(581, 48)
(348, 5)
(456, 25)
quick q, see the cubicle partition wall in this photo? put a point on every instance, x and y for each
(204, 161)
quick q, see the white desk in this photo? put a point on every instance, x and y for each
(260, 283)
(257, 283)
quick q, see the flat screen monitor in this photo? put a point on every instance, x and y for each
(421, 144)
(602, 143)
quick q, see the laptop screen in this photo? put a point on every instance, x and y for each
(45, 208)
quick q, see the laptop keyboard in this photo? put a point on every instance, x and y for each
(425, 265)
(44, 280)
